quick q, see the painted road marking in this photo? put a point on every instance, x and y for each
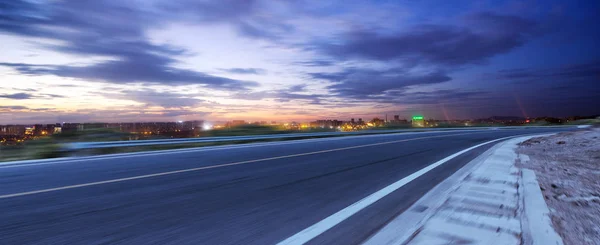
(320, 227)
(217, 166)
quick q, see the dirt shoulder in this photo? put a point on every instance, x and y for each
(567, 166)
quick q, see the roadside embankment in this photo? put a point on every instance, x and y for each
(567, 167)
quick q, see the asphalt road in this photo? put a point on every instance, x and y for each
(249, 194)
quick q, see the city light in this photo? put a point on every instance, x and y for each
(16, 134)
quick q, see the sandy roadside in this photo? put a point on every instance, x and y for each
(567, 166)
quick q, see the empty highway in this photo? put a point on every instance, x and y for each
(263, 193)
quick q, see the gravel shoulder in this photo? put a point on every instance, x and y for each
(567, 166)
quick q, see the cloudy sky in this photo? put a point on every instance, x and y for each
(168, 60)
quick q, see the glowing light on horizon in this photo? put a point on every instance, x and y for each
(445, 112)
(520, 106)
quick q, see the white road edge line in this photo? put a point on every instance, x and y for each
(320, 227)
(214, 166)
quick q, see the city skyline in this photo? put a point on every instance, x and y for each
(145, 61)
(383, 118)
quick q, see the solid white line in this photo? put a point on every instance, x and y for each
(318, 228)
(215, 166)
(28, 163)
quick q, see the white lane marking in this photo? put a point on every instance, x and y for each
(318, 228)
(28, 163)
(215, 166)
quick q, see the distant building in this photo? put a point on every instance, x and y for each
(235, 123)
(192, 125)
(376, 122)
(399, 122)
(29, 130)
(326, 124)
(12, 130)
(44, 130)
(69, 127)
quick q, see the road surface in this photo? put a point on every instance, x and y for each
(245, 194)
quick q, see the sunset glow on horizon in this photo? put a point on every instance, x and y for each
(126, 61)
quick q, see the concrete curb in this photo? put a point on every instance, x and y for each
(538, 229)
(404, 226)
(488, 201)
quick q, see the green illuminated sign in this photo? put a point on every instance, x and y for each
(417, 118)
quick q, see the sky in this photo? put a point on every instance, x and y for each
(296, 60)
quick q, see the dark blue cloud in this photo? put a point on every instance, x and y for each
(567, 89)
(489, 35)
(442, 96)
(26, 96)
(26, 89)
(17, 107)
(156, 98)
(251, 18)
(293, 93)
(255, 31)
(255, 71)
(297, 88)
(367, 84)
(131, 71)
(393, 87)
(213, 11)
(104, 28)
(43, 109)
(17, 96)
(53, 95)
(315, 63)
(589, 71)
